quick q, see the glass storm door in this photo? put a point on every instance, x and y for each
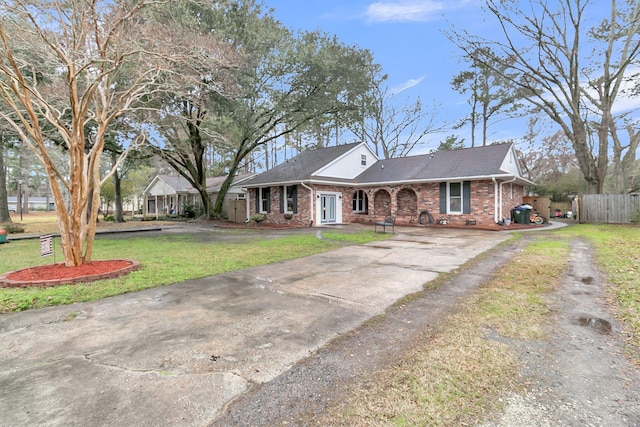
(327, 208)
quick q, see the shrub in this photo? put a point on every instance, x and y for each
(12, 228)
(109, 217)
(192, 211)
(258, 218)
(635, 217)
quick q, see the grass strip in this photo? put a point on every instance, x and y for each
(457, 375)
(618, 255)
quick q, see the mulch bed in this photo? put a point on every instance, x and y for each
(58, 274)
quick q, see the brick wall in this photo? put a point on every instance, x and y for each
(405, 203)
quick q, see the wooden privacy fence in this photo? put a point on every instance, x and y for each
(607, 208)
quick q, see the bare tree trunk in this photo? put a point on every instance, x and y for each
(117, 190)
(4, 205)
(117, 202)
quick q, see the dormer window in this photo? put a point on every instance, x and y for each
(363, 159)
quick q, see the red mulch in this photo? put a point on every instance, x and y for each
(57, 274)
(59, 271)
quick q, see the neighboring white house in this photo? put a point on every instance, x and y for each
(169, 194)
(35, 203)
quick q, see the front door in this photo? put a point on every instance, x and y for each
(327, 208)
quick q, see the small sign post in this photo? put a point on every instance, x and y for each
(46, 246)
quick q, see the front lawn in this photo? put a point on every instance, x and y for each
(164, 260)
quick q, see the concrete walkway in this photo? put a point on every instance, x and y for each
(176, 355)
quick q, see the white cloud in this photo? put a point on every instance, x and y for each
(405, 11)
(406, 85)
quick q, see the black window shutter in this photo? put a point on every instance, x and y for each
(443, 197)
(466, 196)
(282, 197)
(267, 195)
(295, 199)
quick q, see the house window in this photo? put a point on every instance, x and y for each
(455, 197)
(360, 202)
(264, 205)
(363, 159)
(289, 199)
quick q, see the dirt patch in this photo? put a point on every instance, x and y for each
(577, 376)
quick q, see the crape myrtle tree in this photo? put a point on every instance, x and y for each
(570, 60)
(65, 64)
(284, 82)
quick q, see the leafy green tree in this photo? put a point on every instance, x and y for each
(185, 117)
(451, 142)
(284, 83)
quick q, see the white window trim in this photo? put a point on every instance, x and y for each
(286, 201)
(261, 199)
(449, 211)
(364, 198)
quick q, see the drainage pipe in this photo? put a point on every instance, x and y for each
(247, 208)
(500, 187)
(311, 200)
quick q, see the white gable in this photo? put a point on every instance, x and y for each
(160, 188)
(350, 164)
(510, 163)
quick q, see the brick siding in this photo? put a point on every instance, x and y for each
(405, 203)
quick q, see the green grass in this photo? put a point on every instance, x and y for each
(355, 238)
(164, 260)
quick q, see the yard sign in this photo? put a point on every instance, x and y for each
(46, 246)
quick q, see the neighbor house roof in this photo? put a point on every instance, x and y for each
(301, 167)
(179, 184)
(169, 184)
(215, 183)
(464, 163)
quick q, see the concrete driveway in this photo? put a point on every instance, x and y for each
(176, 355)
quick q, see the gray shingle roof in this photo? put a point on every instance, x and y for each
(215, 183)
(461, 163)
(468, 163)
(177, 182)
(302, 166)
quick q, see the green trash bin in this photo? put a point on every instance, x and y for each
(521, 216)
(3, 236)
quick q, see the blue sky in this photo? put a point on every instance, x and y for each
(406, 39)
